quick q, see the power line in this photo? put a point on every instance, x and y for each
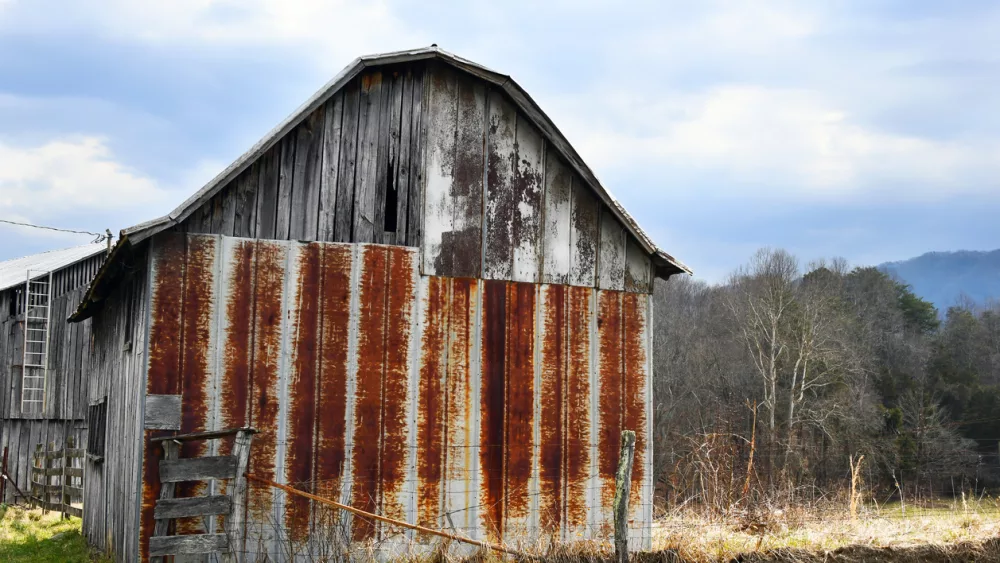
(99, 236)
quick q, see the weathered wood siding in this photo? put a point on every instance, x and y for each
(502, 204)
(117, 371)
(350, 172)
(67, 377)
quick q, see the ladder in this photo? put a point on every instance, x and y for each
(37, 316)
(173, 469)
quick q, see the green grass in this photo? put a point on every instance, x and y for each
(30, 536)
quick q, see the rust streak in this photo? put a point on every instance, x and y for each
(459, 401)
(578, 407)
(551, 423)
(199, 289)
(368, 409)
(268, 293)
(331, 420)
(609, 329)
(238, 340)
(163, 376)
(519, 442)
(302, 387)
(633, 312)
(430, 422)
(395, 386)
(492, 399)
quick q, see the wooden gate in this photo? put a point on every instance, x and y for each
(174, 470)
(57, 478)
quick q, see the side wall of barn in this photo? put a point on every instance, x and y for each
(117, 373)
(66, 378)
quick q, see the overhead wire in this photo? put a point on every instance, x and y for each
(99, 236)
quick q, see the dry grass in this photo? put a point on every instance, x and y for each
(824, 532)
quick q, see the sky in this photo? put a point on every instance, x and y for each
(861, 129)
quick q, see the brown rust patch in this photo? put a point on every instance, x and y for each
(238, 341)
(395, 386)
(552, 423)
(459, 400)
(163, 376)
(520, 403)
(331, 424)
(302, 390)
(167, 302)
(609, 331)
(199, 299)
(577, 458)
(368, 399)
(634, 333)
(493, 399)
(430, 410)
(268, 293)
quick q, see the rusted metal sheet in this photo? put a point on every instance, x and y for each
(491, 408)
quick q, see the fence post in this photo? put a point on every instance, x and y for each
(623, 483)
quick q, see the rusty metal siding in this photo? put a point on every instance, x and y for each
(488, 407)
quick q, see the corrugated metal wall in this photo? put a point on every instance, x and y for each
(489, 407)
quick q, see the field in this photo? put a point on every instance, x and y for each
(943, 533)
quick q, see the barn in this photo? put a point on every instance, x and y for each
(44, 362)
(421, 298)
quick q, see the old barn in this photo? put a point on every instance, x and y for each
(420, 297)
(45, 378)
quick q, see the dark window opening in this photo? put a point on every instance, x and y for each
(97, 416)
(391, 199)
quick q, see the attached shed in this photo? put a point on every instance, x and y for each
(421, 297)
(44, 383)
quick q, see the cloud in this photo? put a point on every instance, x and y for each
(787, 143)
(71, 175)
(320, 28)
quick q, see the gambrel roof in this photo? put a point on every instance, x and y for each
(664, 262)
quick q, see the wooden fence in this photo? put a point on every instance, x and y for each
(57, 478)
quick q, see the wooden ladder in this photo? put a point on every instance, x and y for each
(174, 470)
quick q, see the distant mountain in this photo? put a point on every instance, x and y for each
(941, 277)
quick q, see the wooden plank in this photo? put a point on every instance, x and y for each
(163, 412)
(465, 241)
(585, 210)
(418, 148)
(197, 469)
(306, 176)
(267, 194)
(638, 268)
(439, 170)
(208, 435)
(227, 219)
(366, 183)
(195, 506)
(332, 131)
(501, 199)
(187, 545)
(73, 511)
(245, 206)
(286, 186)
(611, 261)
(343, 224)
(76, 491)
(388, 148)
(401, 171)
(527, 218)
(73, 471)
(557, 220)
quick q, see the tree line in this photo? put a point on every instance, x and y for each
(776, 382)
